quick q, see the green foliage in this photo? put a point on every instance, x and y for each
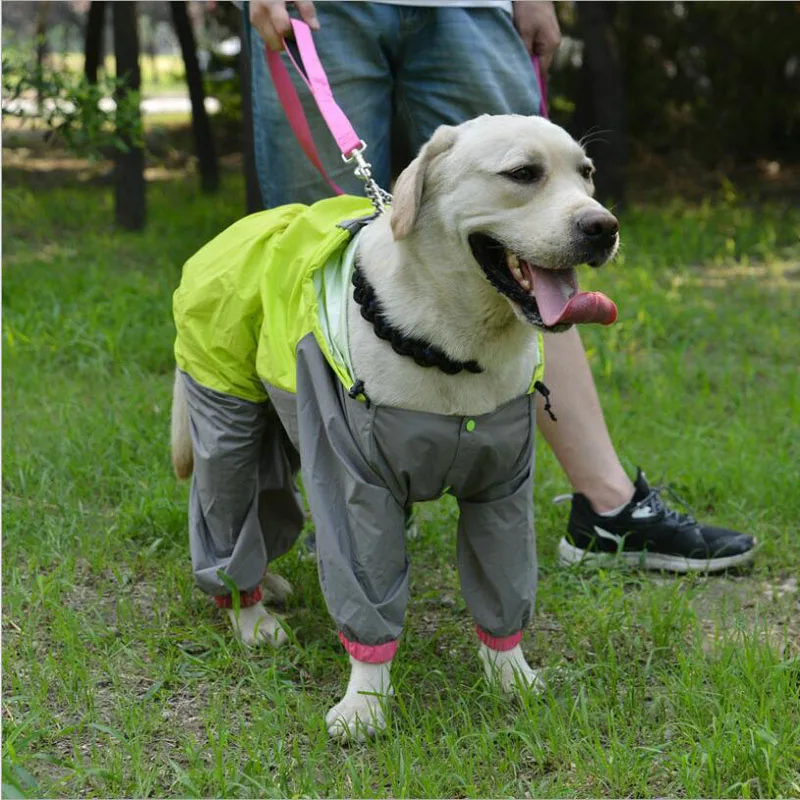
(72, 108)
(121, 680)
(716, 77)
(720, 81)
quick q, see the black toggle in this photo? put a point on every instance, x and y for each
(356, 389)
(545, 392)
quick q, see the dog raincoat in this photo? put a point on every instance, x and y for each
(261, 316)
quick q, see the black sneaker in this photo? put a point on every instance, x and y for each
(649, 534)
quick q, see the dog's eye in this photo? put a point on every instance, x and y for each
(586, 171)
(527, 174)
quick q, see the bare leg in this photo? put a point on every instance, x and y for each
(580, 438)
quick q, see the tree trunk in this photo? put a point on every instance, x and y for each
(40, 36)
(602, 102)
(253, 199)
(129, 172)
(204, 141)
(93, 43)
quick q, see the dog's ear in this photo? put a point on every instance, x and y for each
(407, 193)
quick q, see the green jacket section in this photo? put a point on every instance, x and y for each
(249, 296)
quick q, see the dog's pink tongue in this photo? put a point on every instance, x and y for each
(553, 289)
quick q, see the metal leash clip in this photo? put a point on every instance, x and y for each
(363, 171)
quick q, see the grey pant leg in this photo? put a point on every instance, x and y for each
(359, 523)
(497, 553)
(244, 506)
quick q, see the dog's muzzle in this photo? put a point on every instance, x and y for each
(548, 298)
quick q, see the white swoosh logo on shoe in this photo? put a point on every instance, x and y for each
(643, 513)
(612, 537)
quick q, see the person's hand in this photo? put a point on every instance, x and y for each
(271, 19)
(537, 25)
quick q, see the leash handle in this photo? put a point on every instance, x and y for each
(537, 68)
(313, 74)
(310, 69)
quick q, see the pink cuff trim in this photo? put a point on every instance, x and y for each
(370, 653)
(501, 643)
(246, 599)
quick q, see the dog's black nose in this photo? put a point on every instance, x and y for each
(598, 225)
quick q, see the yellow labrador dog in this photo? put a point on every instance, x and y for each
(475, 258)
(479, 254)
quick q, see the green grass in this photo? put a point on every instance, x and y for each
(121, 680)
(163, 74)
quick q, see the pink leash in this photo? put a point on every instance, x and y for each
(314, 77)
(350, 145)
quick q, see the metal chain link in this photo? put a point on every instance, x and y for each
(379, 198)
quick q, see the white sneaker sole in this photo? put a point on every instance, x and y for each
(569, 554)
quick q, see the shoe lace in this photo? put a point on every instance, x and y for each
(684, 519)
(653, 499)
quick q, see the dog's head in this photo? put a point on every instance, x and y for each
(515, 194)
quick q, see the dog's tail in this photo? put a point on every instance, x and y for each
(182, 459)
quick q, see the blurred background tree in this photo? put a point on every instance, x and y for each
(659, 89)
(705, 85)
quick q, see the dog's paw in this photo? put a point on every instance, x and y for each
(356, 718)
(275, 589)
(361, 713)
(510, 670)
(255, 625)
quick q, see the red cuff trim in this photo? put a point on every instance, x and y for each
(246, 599)
(501, 643)
(370, 653)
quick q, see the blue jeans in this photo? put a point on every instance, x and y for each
(398, 72)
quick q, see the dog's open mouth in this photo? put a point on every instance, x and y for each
(547, 298)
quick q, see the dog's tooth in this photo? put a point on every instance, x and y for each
(513, 265)
(526, 284)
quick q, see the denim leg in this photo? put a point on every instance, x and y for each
(354, 46)
(463, 63)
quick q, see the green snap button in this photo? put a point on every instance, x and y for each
(470, 426)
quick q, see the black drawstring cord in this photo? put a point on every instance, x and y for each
(545, 392)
